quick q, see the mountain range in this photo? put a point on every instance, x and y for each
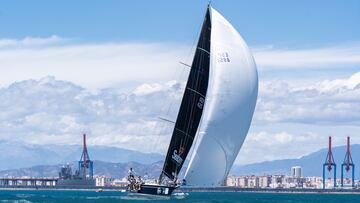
(19, 155)
(112, 161)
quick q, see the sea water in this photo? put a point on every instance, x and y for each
(29, 196)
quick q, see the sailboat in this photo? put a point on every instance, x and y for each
(216, 109)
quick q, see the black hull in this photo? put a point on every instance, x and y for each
(159, 190)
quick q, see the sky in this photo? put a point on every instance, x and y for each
(69, 67)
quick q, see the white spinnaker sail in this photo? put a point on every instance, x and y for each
(229, 106)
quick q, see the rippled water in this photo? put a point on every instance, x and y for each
(48, 196)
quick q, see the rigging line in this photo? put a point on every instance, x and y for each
(190, 51)
(191, 117)
(192, 104)
(199, 124)
(186, 134)
(180, 76)
(195, 83)
(182, 63)
(167, 120)
(188, 122)
(191, 111)
(167, 153)
(201, 42)
(206, 31)
(198, 77)
(170, 108)
(198, 133)
(163, 127)
(192, 114)
(195, 38)
(159, 130)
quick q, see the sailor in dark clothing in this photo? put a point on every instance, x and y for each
(183, 182)
(131, 178)
(131, 173)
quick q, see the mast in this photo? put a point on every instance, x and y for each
(192, 104)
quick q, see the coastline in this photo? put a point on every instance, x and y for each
(203, 190)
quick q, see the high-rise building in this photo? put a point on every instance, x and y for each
(296, 171)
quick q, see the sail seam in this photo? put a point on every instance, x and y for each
(195, 91)
(206, 51)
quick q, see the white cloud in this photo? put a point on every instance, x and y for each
(327, 57)
(266, 146)
(49, 111)
(289, 141)
(147, 89)
(92, 65)
(335, 102)
(128, 64)
(30, 42)
(332, 85)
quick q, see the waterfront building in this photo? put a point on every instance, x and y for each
(232, 181)
(294, 182)
(296, 171)
(120, 182)
(313, 182)
(277, 181)
(103, 181)
(264, 181)
(253, 182)
(281, 181)
(243, 181)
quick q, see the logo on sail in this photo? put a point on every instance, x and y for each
(201, 102)
(176, 156)
(223, 57)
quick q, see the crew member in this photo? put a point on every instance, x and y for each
(131, 173)
(131, 178)
(140, 180)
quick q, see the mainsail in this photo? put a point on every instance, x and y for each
(229, 106)
(192, 105)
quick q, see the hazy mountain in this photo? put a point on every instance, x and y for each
(311, 164)
(35, 171)
(18, 155)
(101, 168)
(121, 169)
